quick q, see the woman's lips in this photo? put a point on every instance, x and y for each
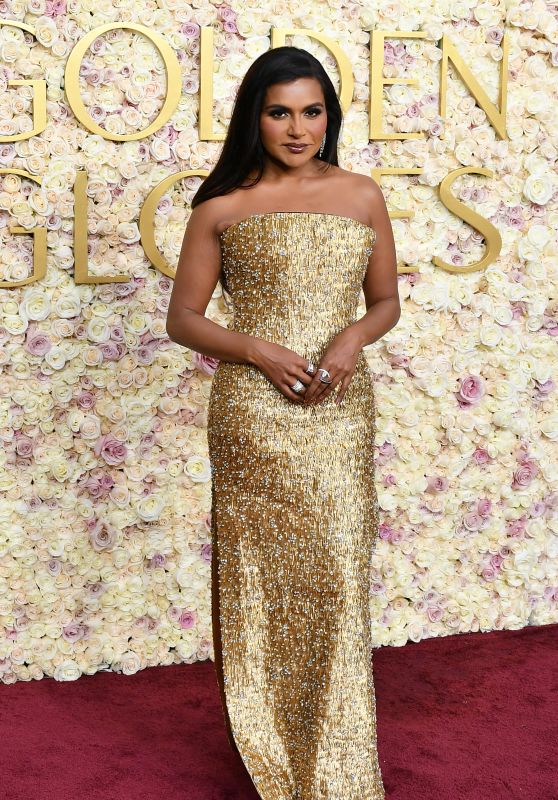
(296, 148)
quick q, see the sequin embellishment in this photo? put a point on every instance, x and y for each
(295, 518)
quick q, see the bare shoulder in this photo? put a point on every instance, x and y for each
(364, 190)
(208, 216)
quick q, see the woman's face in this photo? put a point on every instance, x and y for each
(293, 113)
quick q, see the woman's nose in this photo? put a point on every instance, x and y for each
(296, 127)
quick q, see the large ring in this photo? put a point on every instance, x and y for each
(298, 386)
(310, 368)
(325, 374)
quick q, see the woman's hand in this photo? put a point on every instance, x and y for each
(283, 367)
(340, 360)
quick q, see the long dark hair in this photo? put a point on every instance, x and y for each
(242, 150)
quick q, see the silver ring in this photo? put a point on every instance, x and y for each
(310, 368)
(325, 374)
(297, 386)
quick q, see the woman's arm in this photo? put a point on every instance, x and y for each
(197, 274)
(380, 282)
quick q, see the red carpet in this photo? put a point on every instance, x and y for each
(467, 717)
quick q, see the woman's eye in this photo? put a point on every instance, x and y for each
(313, 111)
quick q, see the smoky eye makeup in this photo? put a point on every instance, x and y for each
(315, 110)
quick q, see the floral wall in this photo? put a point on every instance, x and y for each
(104, 475)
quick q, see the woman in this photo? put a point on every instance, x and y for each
(293, 239)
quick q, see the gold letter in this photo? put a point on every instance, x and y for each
(377, 173)
(490, 233)
(496, 117)
(39, 97)
(80, 236)
(71, 78)
(346, 80)
(147, 214)
(206, 87)
(39, 241)
(377, 82)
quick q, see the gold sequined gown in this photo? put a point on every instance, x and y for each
(294, 519)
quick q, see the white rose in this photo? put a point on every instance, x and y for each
(93, 146)
(14, 325)
(549, 427)
(198, 468)
(487, 15)
(67, 671)
(538, 189)
(46, 31)
(503, 418)
(159, 149)
(56, 357)
(128, 663)
(489, 335)
(435, 385)
(535, 164)
(539, 235)
(35, 305)
(136, 322)
(128, 232)
(90, 427)
(98, 330)
(387, 501)
(60, 469)
(536, 102)
(149, 508)
(420, 366)
(67, 305)
(502, 314)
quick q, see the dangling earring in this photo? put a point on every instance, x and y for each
(322, 145)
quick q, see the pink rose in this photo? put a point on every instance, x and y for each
(187, 619)
(111, 449)
(74, 632)
(471, 390)
(538, 508)
(494, 35)
(24, 445)
(158, 560)
(434, 613)
(481, 456)
(205, 363)
(515, 528)
(545, 388)
(96, 589)
(110, 351)
(399, 362)
(386, 451)
(484, 506)
(524, 474)
(174, 613)
(437, 483)
(190, 30)
(38, 343)
(472, 521)
(85, 400)
(385, 531)
(103, 537)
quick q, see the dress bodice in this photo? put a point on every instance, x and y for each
(294, 277)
